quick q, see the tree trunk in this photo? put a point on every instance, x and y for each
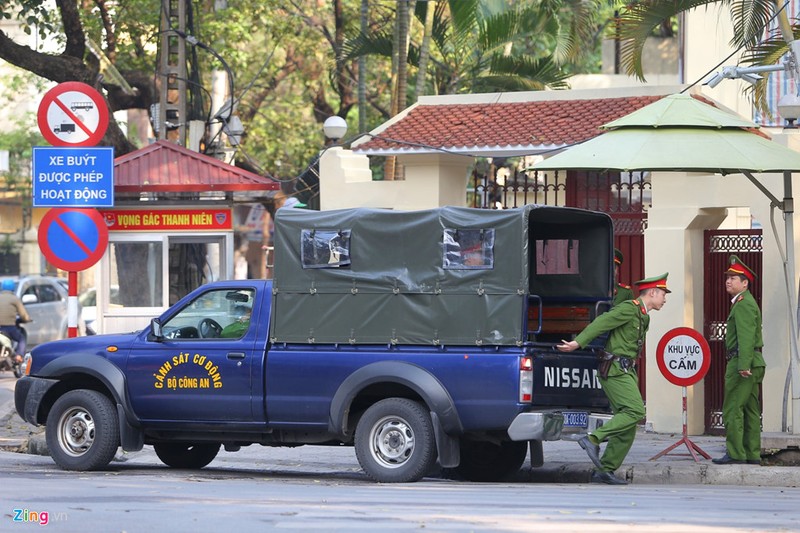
(424, 49)
(362, 72)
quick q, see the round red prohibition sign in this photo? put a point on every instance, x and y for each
(73, 239)
(73, 114)
(683, 356)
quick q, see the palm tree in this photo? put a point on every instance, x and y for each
(486, 45)
(749, 19)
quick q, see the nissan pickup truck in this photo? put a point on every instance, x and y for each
(416, 337)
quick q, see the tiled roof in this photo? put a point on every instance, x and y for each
(512, 128)
(167, 167)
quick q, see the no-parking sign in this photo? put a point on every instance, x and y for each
(683, 356)
(73, 239)
(73, 114)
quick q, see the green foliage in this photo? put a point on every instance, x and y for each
(482, 46)
(36, 15)
(289, 75)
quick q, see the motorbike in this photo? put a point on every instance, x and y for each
(7, 352)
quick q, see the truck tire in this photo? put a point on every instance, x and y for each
(394, 441)
(82, 430)
(186, 456)
(488, 461)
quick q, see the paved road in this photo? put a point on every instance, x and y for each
(262, 489)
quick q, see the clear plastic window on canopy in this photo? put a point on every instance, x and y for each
(468, 249)
(325, 248)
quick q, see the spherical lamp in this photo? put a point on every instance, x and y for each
(334, 127)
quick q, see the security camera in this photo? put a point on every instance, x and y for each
(714, 80)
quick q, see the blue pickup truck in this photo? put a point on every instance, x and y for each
(415, 337)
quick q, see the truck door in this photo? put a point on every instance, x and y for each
(200, 370)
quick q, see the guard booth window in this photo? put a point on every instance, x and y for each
(138, 269)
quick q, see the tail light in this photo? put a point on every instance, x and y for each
(525, 379)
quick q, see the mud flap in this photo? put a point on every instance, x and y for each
(447, 447)
(131, 438)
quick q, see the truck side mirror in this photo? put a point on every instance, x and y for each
(156, 333)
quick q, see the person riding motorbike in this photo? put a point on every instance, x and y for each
(13, 311)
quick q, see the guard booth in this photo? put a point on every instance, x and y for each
(170, 231)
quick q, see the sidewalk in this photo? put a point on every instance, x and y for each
(564, 460)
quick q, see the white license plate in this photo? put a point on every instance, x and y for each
(576, 419)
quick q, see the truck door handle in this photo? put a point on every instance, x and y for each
(236, 355)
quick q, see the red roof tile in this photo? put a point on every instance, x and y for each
(167, 167)
(537, 125)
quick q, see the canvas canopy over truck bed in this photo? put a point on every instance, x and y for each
(445, 276)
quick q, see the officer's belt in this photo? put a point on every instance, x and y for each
(625, 363)
(735, 353)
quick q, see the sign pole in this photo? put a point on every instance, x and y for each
(691, 446)
(683, 357)
(72, 304)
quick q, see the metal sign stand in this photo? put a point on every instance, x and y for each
(692, 447)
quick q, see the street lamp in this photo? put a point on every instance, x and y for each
(334, 128)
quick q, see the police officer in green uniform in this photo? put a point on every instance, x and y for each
(744, 372)
(627, 323)
(622, 292)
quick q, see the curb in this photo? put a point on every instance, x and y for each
(665, 474)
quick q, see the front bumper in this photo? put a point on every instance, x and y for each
(28, 394)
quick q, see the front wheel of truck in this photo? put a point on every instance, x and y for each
(82, 430)
(488, 461)
(394, 441)
(186, 456)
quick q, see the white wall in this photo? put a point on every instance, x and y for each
(430, 181)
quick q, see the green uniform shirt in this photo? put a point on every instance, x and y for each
(743, 332)
(627, 324)
(621, 294)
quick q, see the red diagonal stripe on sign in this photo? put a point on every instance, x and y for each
(72, 236)
(73, 116)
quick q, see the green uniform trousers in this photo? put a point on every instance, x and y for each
(741, 412)
(622, 390)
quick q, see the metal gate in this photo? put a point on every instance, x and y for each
(719, 245)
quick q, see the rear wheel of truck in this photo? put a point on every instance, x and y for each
(394, 441)
(488, 461)
(187, 456)
(82, 430)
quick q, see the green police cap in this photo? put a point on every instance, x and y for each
(737, 267)
(656, 282)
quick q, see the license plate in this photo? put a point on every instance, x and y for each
(576, 419)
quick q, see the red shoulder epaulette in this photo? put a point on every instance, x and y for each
(624, 286)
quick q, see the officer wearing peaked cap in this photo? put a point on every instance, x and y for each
(627, 324)
(744, 371)
(622, 292)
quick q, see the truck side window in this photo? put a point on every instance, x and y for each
(214, 314)
(468, 249)
(325, 248)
